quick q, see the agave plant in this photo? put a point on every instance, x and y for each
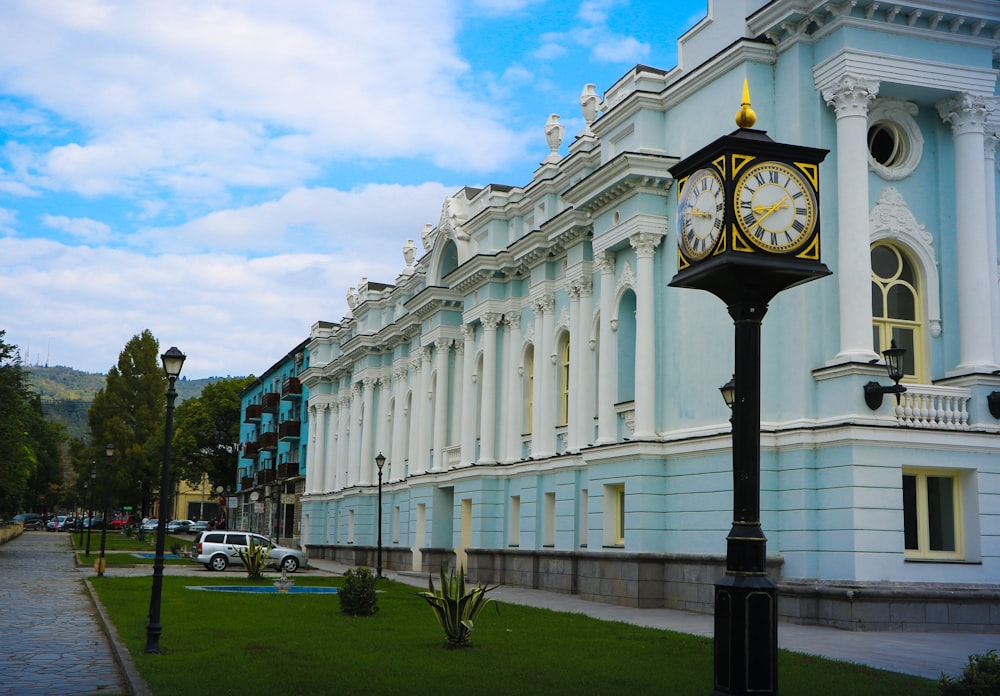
(456, 608)
(255, 559)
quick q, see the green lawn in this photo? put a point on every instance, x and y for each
(222, 643)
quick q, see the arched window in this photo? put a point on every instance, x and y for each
(625, 335)
(896, 308)
(564, 380)
(529, 387)
(449, 258)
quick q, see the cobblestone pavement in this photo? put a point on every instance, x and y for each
(51, 643)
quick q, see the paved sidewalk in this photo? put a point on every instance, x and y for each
(51, 642)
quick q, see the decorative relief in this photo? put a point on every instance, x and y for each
(627, 281)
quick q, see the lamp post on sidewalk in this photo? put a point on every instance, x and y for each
(379, 462)
(90, 513)
(109, 449)
(173, 361)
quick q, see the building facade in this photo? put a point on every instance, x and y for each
(273, 436)
(549, 408)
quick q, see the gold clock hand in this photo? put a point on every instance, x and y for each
(783, 203)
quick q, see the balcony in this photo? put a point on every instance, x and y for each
(269, 402)
(246, 482)
(289, 430)
(265, 476)
(288, 470)
(252, 414)
(291, 389)
(250, 450)
(268, 442)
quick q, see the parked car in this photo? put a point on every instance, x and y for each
(196, 527)
(218, 549)
(178, 526)
(30, 520)
(56, 524)
(150, 525)
(119, 521)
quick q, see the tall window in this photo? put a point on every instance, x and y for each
(614, 514)
(529, 387)
(549, 520)
(514, 521)
(896, 308)
(564, 381)
(932, 514)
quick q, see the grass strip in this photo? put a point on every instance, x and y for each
(243, 644)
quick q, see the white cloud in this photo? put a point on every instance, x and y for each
(86, 230)
(262, 90)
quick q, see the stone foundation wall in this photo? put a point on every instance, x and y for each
(687, 582)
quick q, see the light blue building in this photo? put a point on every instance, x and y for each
(273, 438)
(549, 408)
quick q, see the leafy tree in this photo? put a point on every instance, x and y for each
(206, 429)
(129, 412)
(29, 447)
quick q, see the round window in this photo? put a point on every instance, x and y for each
(894, 140)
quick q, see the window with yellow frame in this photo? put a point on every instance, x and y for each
(614, 514)
(932, 514)
(564, 382)
(897, 308)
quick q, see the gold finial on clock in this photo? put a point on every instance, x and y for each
(745, 117)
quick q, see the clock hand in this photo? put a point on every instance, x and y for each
(783, 203)
(700, 213)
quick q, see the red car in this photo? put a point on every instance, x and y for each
(119, 522)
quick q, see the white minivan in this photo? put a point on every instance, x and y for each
(217, 549)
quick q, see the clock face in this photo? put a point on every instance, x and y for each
(775, 207)
(700, 211)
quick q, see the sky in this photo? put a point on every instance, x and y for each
(220, 172)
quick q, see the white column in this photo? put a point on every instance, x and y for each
(468, 438)
(992, 136)
(575, 332)
(343, 439)
(397, 451)
(487, 421)
(354, 437)
(645, 244)
(314, 459)
(515, 402)
(851, 97)
(967, 114)
(443, 346)
(585, 375)
(606, 416)
(543, 440)
(366, 432)
(331, 467)
(415, 397)
(423, 432)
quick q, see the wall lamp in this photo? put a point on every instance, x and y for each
(728, 391)
(894, 365)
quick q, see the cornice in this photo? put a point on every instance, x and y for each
(626, 174)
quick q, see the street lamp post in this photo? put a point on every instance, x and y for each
(379, 462)
(109, 449)
(90, 513)
(173, 361)
(79, 520)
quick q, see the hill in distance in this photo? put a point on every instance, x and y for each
(67, 393)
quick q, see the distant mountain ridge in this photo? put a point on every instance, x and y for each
(67, 393)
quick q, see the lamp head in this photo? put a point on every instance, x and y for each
(894, 361)
(173, 361)
(109, 449)
(380, 461)
(728, 391)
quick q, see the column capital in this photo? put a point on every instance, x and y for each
(645, 243)
(967, 113)
(513, 321)
(605, 261)
(442, 343)
(543, 304)
(850, 95)
(490, 320)
(468, 332)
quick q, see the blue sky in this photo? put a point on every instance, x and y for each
(221, 171)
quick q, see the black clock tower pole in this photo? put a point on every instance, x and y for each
(769, 242)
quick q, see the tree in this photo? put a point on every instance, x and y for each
(206, 430)
(128, 413)
(26, 441)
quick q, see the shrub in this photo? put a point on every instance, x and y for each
(981, 677)
(456, 609)
(357, 593)
(255, 559)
